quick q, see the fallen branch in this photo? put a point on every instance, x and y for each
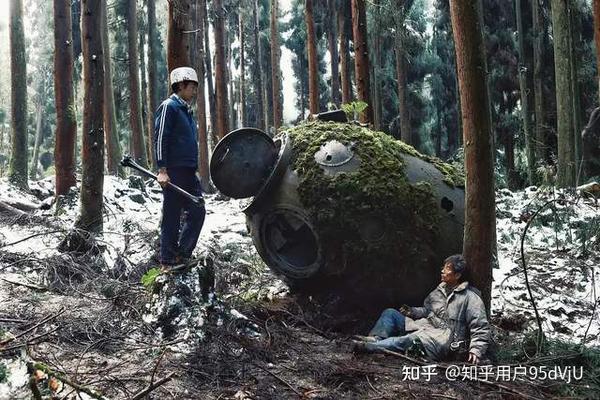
(25, 332)
(280, 379)
(48, 371)
(27, 285)
(142, 393)
(30, 341)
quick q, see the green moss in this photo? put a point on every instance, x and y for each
(340, 204)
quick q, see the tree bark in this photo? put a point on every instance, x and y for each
(404, 113)
(92, 150)
(480, 217)
(375, 64)
(17, 173)
(311, 43)
(525, 116)
(260, 112)
(564, 112)
(220, 74)
(135, 115)
(39, 113)
(361, 59)
(538, 88)
(209, 78)
(201, 101)
(111, 134)
(344, 57)
(333, 52)
(146, 134)
(576, 101)
(153, 99)
(66, 125)
(178, 43)
(275, 68)
(242, 70)
(596, 12)
(229, 79)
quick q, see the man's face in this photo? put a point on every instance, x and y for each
(188, 91)
(449, 276)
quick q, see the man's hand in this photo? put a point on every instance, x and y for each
(405, 310)
(473, 359)
(163, 177)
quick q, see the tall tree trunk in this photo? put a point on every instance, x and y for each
(576, 102)
(152, 74)
(92, 150)
(39, 114)
(260, 112)
(404, 113)
(209, 77)
(480, 217)
(146, 134)
(311, 43)
(344, 57)
(220, 74)
(111, 134)
(178, 43)
(17, 173)
(525, 116)
(242, 70)
(361, 59)
(229, 80)
(201, 100)
(376, 66)
(564, 112)
(538, 87)
(333, 52)
(135, 115)
(275, 68)
(66, 125)
(596, 11)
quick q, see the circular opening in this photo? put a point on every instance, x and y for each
(291, 243)
(447, 204)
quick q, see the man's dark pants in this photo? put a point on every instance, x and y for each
(176, 240)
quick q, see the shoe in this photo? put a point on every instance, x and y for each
(364, 347)
(367, 339)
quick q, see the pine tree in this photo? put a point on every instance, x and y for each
(201, 99)
(361, 59)
(17, 174)
(311, 43)
(220, 70)
(562, 67)
(275, 68)
(111, 134)
(66, 126)
(92, 150)
(135, 111)
(480, 217)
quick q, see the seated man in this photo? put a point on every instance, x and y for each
(453, 318)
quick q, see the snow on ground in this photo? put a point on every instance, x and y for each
(563, 276)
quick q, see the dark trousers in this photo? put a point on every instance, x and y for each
(177, 239)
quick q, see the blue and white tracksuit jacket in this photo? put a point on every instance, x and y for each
(176, 149)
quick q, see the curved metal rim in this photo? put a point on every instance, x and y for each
(226, 140)
(285, 152)
(290, 272)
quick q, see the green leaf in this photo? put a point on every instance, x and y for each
(149, 277)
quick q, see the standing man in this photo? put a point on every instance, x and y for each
(176, 148)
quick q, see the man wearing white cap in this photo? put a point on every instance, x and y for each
(176, 148)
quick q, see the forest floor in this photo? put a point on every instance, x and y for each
(229, 329)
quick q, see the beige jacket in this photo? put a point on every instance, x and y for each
(458, 317)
